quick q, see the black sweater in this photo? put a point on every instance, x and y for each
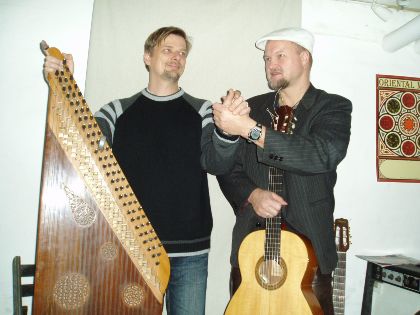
(158, 142)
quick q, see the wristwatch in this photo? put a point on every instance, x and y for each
(255, 133)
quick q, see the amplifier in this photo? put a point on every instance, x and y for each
(404, 276)
(392, 290)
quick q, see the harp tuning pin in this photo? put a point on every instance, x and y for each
(101, 143)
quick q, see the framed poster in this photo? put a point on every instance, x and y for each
(397, 128)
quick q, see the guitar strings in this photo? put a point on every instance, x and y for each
(272, 266)
(272, 263)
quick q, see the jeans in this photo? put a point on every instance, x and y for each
(186, 292)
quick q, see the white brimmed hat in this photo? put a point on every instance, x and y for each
(299, 36)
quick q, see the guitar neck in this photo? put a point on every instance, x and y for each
(282, 121)
(273, 225)
(272, 239)
(275, 180)
(339, 283)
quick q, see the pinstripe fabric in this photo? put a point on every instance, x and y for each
(309, 158)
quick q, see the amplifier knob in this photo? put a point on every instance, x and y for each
(411, 282)
(390, 276)
(398, 278)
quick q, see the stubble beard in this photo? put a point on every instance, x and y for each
(276, 85)
(171, 76)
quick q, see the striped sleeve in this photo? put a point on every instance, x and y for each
(107, 117)
(217, 149)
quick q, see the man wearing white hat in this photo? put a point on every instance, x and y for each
(306, 156)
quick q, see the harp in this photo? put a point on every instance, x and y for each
(96, 252)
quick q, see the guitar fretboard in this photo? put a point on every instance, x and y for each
(281, 122)
(339, 284)
(273, 225)
(275, 180)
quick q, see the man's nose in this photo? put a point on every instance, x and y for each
(271, 65)
(176, 55)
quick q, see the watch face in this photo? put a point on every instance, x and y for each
(255, 133)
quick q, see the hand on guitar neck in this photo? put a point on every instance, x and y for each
(266, 204)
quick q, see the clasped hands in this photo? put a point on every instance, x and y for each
(232, 114)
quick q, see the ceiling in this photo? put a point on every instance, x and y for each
(409, 5)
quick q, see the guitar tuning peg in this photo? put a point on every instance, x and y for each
(293, 126)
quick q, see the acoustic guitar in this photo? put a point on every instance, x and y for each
(342, 235)
(277, 267)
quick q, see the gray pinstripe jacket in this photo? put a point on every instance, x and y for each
(309, 158)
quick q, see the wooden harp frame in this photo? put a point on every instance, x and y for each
(97, 252)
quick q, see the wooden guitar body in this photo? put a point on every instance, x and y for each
(268, 288)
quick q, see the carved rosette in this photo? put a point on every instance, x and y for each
(108, 251)
(133, 295)
(71, 291)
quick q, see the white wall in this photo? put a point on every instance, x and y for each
(383, 216)
(23, 24)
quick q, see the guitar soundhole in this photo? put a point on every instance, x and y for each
(270, 274)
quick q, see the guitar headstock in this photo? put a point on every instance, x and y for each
(284, 120)
(342, 234)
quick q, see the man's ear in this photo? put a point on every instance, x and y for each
(146, 59)
(304, 56)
